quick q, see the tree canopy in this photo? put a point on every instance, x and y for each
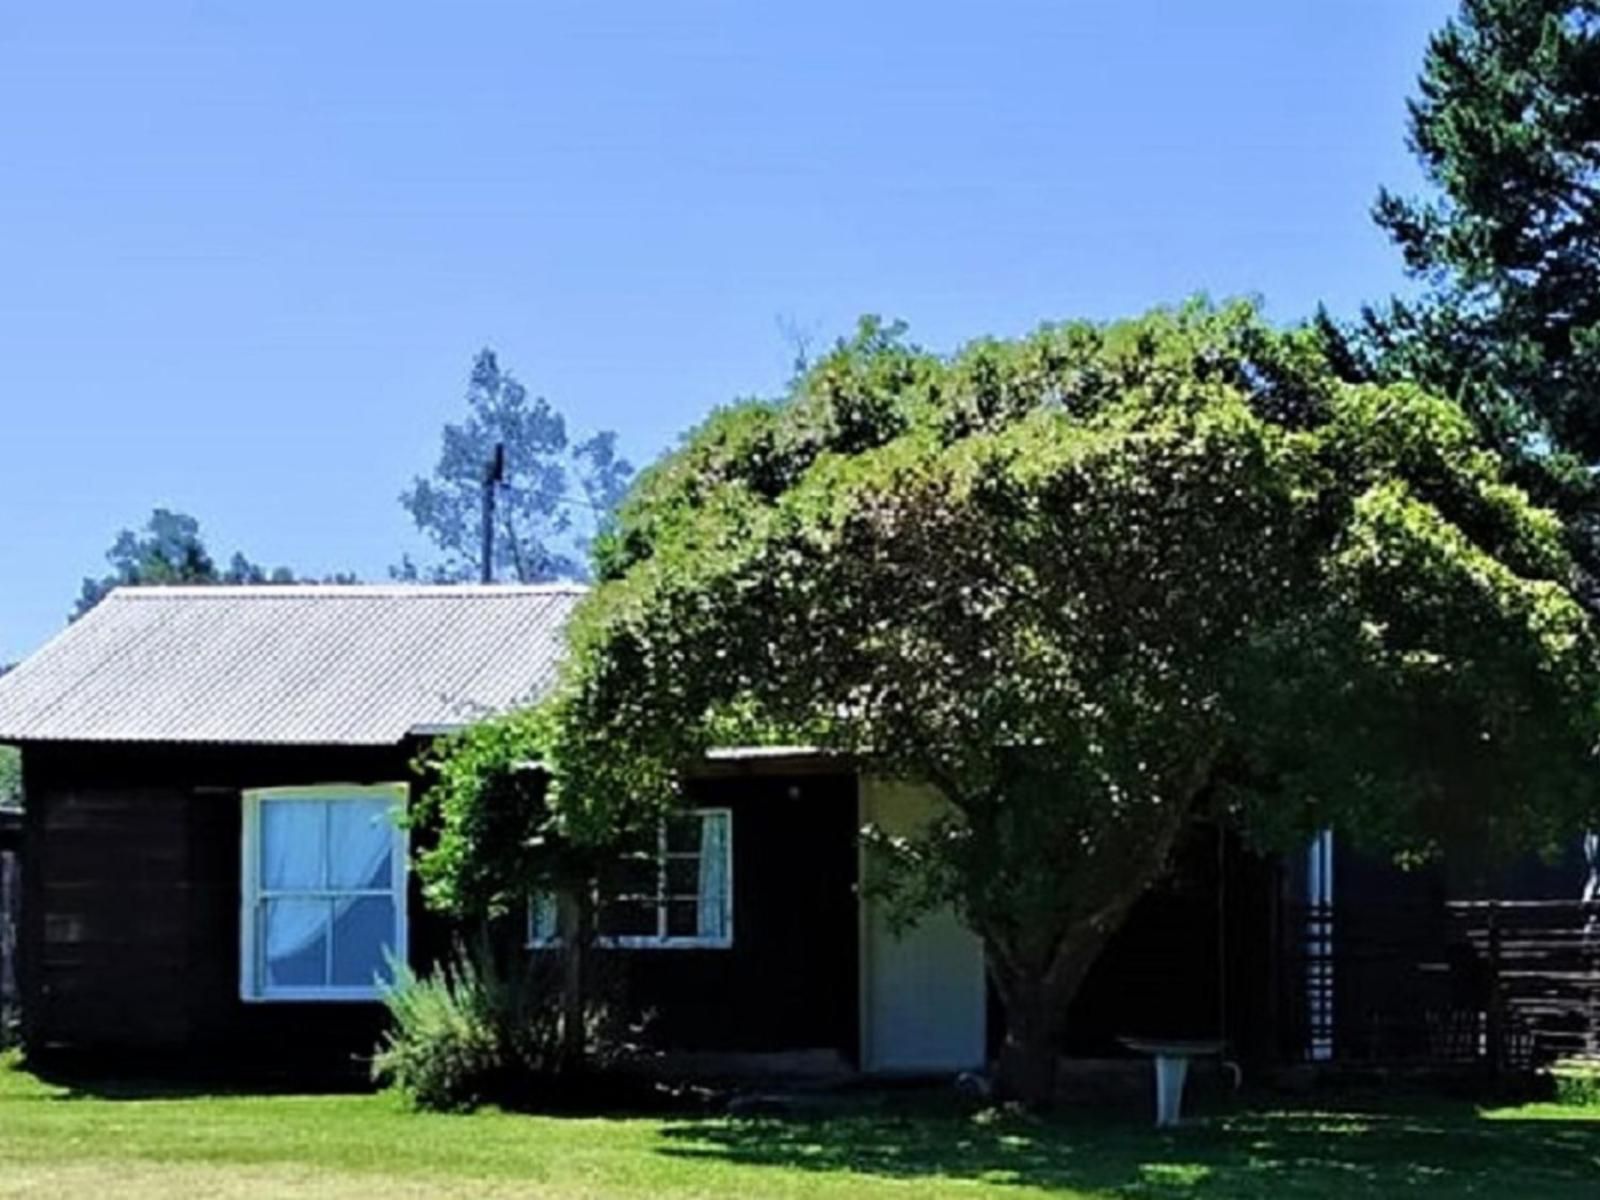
(169, 549)
(10, 777)
(554, 495)
(1090, 585)
(1506, 127)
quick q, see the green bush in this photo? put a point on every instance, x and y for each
(444, 1048)
(475, 1032)
(1578, 1086)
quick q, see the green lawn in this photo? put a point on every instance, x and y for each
(58, 1142)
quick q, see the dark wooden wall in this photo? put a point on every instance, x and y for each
(10, 906)
(789, 981)
(130, 940)
(131, 917)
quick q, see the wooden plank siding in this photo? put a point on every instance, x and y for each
(10, 909)
(131, 917)
(789, 981)
(131, 903)
(1541, 960)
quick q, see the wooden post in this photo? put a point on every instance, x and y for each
(1590, 933)
(573, 923)
(494, 473)
(1495, 1016)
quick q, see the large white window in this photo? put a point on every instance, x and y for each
(676, 894)
(324, 891)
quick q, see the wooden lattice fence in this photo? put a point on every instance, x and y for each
(1498, 983)
(1543, 957)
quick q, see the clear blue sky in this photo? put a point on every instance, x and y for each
(246, 256)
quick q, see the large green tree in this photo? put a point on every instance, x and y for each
(10, 768)
(1506, 127)
(1090, 586)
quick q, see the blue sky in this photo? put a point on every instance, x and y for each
(247, 252)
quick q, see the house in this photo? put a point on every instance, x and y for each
(212, 871)
(213, 874)
(214, 878)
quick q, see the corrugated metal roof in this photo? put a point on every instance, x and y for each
(313, 664)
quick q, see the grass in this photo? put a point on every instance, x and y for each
(56, 1141)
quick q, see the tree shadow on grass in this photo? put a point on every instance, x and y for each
(1444, 1151)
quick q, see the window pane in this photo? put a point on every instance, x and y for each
(636, 877)
(363, 929)
(683, 918)
(683, 877)
(295, 939)
(360, 842)
(623, 918)
(683, 833)
(291, 844)
(543, 918)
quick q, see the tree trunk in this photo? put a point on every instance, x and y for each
(1036, 1015)
(1026, 1071)
(574, 921)
(1039, 970)
(1038, 993)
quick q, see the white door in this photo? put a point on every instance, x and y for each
(922, 993)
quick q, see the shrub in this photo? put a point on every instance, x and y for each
(1578, 1085)
(476, 1032)
(444, 1048)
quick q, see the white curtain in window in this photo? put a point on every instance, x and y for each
(291, 845)
(313, 847)
(360, 858)
(296, 948)
(360, 838)
(542, 918)
(292, 931)
(714, 875)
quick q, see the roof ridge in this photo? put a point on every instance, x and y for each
(239, 591)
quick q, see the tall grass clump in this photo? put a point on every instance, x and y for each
(476, 1030)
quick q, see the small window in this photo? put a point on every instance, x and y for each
(324, 903)
(676, 894)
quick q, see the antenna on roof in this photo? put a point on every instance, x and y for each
(494, 473)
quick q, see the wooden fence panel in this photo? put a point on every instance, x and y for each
(1544, 959)
(1498, 983)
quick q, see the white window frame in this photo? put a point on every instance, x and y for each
(252, 985)
(661, 940)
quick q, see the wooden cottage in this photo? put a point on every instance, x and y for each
(213, 872)
(213, 878)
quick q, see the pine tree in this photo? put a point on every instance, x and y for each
(1506, 126)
